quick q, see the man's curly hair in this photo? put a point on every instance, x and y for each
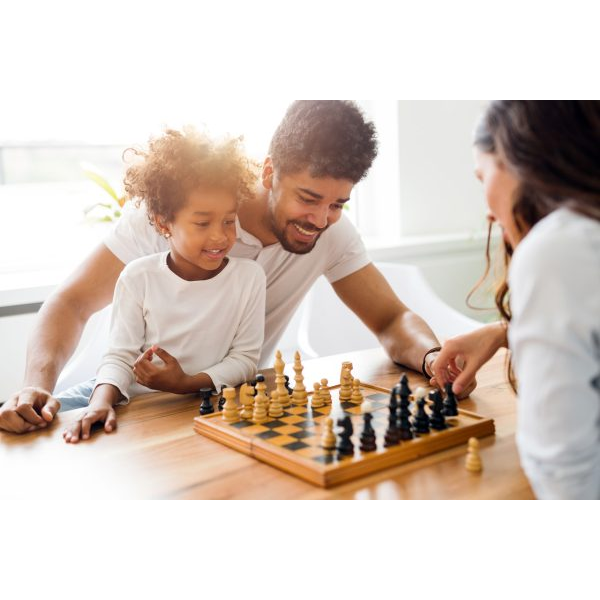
(329, 137)
(180, 161)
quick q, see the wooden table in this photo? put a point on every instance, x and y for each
(155, 453)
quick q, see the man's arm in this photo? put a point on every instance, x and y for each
(57, 331)
(404, 335)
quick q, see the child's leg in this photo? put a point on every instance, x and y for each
(77, 396)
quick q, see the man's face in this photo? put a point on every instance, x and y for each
(301, 207)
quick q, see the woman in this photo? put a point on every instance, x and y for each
(539, 163)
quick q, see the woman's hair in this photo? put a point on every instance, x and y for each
(553, 149)
(178, 162)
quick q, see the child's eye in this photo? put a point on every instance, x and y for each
(202, 224)
(230, 222)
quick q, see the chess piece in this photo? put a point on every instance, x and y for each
(345, 446)
(419, 393)
(346, 388)
(246, 400)
(404, 426)
(403, 389)
(206, 408)
(316, 400)
(230, 410)
(357, 396)
(421, 420)
(299, 395)
(282, 393)
(450, 404)
(328, 439)
(275, 408)
(436, 419)
(346, 365)
(473, 461)
(259, 414)
(221, 402)
(287, 385)
(367, 437)
(325, 393)
(392, 435)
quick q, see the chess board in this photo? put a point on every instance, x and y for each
(292, 442)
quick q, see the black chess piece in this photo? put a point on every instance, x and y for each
(436, 419)
(287, 385)
(392, 434)
(403, 390)
(404, 426)
(393, 405)
(221, 398)
(421, 420)
(450, 405)
(368, 441)
(345, 445)
(206, 408)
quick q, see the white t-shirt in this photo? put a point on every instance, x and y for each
(213, 326)
(555, 340)
(338, 253)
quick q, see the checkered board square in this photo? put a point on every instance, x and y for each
(292, 442)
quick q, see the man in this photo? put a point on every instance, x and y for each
(293, 227)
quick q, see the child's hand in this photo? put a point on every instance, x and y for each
(168, 377)
(96, 413)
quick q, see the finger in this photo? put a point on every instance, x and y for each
(110, 424)
(12, 422)
(27, 412)
(50, 409)
(462, 382)
(467, 390)
(163, 355)
(86, 423)
(144, 369)
(73, 431)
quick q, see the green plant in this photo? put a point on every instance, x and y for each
(110, 209)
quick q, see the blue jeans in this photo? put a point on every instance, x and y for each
(77, 396)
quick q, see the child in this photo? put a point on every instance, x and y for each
(539, 163)
(200, 312)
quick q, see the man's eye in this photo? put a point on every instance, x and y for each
(337, 206)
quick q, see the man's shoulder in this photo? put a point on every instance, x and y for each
(247, 267)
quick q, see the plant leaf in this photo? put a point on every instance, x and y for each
(93, 173)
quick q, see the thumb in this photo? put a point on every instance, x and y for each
(163, 355)
(50, 409)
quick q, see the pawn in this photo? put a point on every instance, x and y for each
(259, 415)
(368, 442)
(230, 410)
(421, 420)
(206, 408)
(357, 396)
(316, 400)
(325, 393)
(420, 392)
(275, 408)
(328, 439)
(473, 461)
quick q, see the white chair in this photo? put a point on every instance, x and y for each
(327, 326)
(86, 358)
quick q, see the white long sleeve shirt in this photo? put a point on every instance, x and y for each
(214, 326)
(555, 340)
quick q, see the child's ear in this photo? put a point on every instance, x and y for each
(267, 173)
(162, 227)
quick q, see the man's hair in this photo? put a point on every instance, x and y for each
(178, 162)
(329, 137)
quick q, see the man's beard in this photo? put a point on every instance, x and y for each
(295, 246)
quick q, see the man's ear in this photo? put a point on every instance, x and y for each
(267, 173)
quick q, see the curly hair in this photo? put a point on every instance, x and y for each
(329, 137)
(180, 161)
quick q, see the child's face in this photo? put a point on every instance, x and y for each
(203, 232)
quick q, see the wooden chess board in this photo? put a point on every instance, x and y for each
(292, 442)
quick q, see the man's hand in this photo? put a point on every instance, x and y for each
(168, 377)
(30, 409)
